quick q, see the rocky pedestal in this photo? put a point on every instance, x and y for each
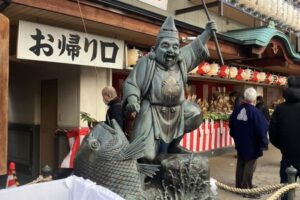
(182, 177)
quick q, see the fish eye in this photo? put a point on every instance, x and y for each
(94, 144)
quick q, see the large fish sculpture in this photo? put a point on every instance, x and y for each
(106, 157)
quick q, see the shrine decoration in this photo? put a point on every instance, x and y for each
(247, 74)
(240, 74)
(261, 77)
(254, 77)
(282, 80)
(270, 79)
(203, 68)
(233, 71)
(214, 69)
(224, 71)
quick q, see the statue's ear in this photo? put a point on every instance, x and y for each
(152, 55)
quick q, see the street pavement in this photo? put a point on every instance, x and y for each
(222, 168)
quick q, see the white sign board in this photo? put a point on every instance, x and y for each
(162, 4)
(48, 43)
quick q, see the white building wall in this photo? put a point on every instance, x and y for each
(92, 80)
(196, 18)
(68, 115)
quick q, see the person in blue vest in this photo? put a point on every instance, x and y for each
(248, 127)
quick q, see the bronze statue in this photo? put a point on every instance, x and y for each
(106, 157)
(155, 90)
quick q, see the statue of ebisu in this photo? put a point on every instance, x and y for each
(155, 90)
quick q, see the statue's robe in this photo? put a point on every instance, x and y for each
(165, 115)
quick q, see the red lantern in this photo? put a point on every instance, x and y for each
(280, 80)
(270, 78)
(240, 74)
(203, 68)
(254, 77)
(224, 71)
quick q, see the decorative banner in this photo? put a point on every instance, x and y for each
(48, 43)
(209, 136)
(203, 68)
(162, 4)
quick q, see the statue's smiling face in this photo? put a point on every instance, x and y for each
(167, 51)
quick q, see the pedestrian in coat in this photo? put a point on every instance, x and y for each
(248, 127)
(260, 104)
(284, 128)
(114, 103)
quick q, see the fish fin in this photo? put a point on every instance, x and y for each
(134, 150)
(148, 169)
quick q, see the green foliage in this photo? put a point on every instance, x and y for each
(86, 117)
(217, 116)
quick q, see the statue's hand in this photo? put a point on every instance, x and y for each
(211, 25)
(133, 104)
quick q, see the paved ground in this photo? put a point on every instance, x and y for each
(267, 172)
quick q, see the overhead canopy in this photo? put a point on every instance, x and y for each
(262, 36)
(269, 47)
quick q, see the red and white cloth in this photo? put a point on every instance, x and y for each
(75, 138)
(211, 135)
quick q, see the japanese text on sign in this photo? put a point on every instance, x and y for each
(47, 43)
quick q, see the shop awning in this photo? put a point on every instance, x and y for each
(262, 36)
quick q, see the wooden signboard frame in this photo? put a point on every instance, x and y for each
(4, 76)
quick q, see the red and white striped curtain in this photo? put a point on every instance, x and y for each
(211, 135)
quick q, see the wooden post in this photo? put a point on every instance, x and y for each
(4, 64)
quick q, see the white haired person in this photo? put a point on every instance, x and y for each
(248, 127)
(114, 103)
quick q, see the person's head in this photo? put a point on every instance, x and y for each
(293, 81)
(233, 95)
(167, 44)
(108, 94)
(259, 99)
(250, 95)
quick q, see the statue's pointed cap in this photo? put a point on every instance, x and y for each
(168, 29)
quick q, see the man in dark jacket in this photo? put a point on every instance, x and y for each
(284, 128)
(114, 111)
(260, 104)
(248, 127)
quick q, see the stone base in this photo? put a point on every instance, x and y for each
(182, 176)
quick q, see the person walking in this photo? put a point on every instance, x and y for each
(284, 128)
(235, 99)
(248, 127)
(260, 104)
(114, 103)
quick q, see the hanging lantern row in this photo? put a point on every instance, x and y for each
(241, 74)
(283, 12)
